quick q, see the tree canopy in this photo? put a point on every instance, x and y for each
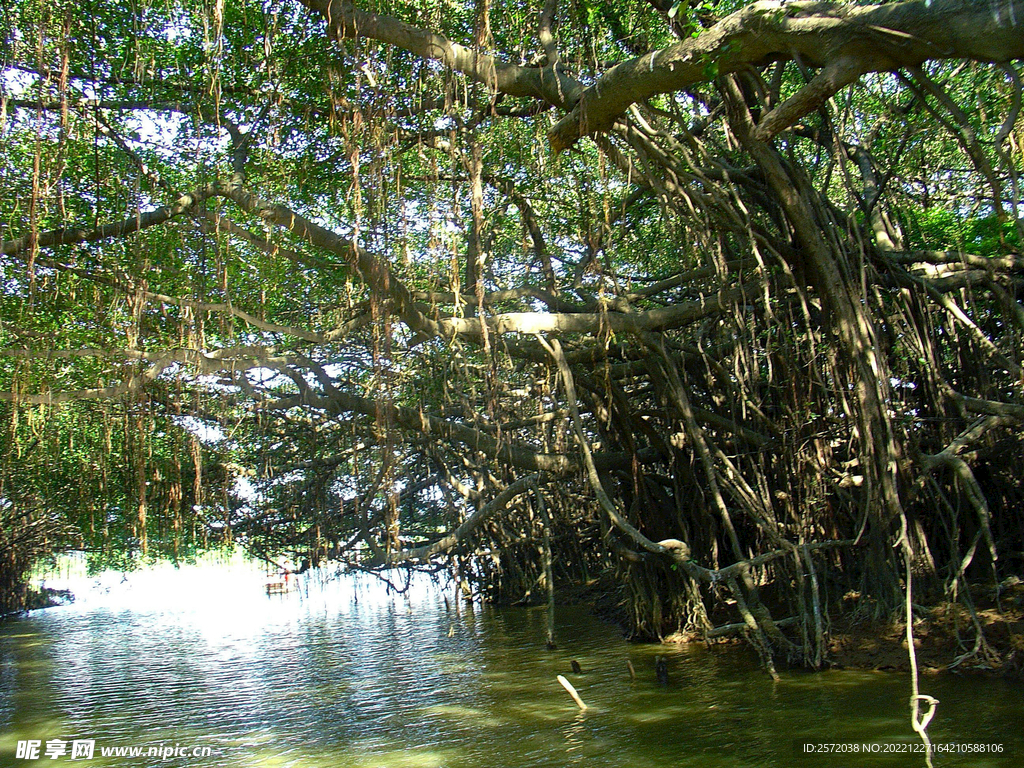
(721, 299)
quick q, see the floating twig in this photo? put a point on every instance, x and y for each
(572, 692)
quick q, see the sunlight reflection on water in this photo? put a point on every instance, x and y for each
(342, 672)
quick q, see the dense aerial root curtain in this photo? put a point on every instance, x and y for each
(716, 311)
(831, 272)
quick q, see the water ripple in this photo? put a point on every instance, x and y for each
(347, 675)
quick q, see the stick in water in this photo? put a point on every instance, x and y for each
(572, 692)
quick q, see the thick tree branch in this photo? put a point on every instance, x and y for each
(418, 421)
(372, 268)
(659, 319)
(550, 83)
(847, 39)
(545, 31)
(474, 521)
(131, 384)
(137, 223)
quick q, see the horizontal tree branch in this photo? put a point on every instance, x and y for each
(371, 268)
(1011, 262)
(847, 39)
(662, 318)
(129, 385)
(549, 83)
(130, 225)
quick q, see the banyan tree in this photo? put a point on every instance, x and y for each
(718, 306)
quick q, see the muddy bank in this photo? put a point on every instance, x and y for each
(946, 635)
(946, 639)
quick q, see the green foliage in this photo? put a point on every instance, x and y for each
(936, 228)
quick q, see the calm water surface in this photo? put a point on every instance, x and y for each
(341, 673)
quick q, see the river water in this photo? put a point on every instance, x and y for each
(342, 673)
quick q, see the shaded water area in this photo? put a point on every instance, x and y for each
(341, 673)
